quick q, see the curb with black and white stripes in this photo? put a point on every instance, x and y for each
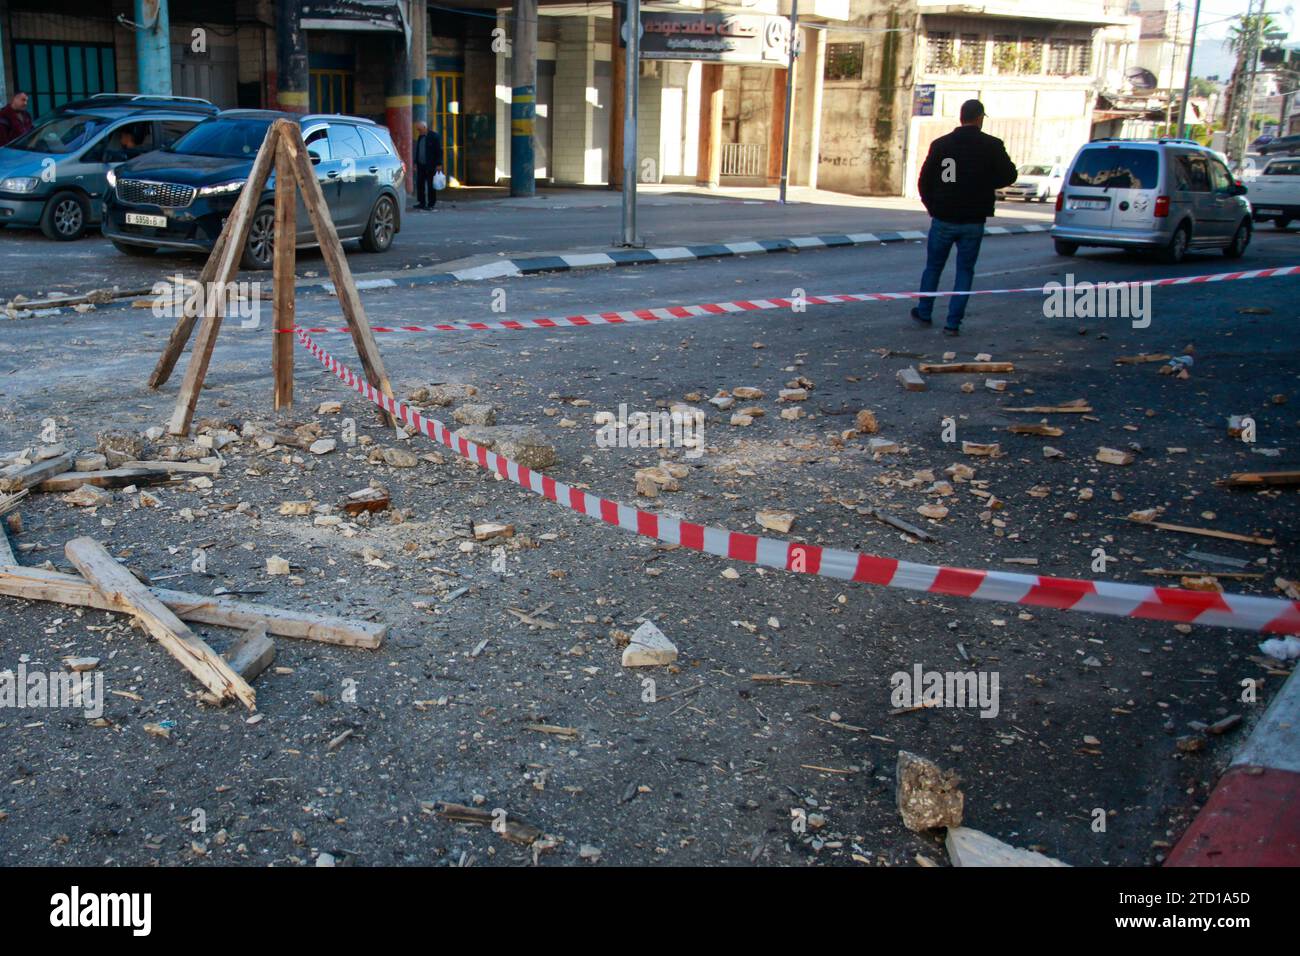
(565, 262)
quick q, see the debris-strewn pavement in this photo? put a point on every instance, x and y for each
(1098, 718)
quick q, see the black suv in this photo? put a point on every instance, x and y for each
(179, 197)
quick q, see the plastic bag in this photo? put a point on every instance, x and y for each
(439, 180)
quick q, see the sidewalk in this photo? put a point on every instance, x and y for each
(1253, 816)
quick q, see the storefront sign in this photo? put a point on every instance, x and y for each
(715, 37)
(352, 15)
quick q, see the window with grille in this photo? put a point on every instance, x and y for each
(939, 52)
(843, 61)
(56, 73)
(1058, 58)
(971, 53)
(1006, 54)
(1031, 55)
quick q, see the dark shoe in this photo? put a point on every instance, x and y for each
(916, 314)
(421, 208)
(951, 330)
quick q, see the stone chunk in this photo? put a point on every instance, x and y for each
(519, 443)
(928, 797)
(649, 647)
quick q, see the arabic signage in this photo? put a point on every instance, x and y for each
(715, 37)
(382, 15)
(923, 99)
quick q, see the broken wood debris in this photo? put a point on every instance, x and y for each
(1207, 532)
(1260, 479)
(511, 828)
(967, 367)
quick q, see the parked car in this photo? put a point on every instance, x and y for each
(1262, 140)
(1167, 195)
(1036, 182)
(180, 196)
(1285, 145)
(1275, 192)
(55, 176)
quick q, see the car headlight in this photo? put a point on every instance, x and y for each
(112, 179)
(19, 184)
(222, 189)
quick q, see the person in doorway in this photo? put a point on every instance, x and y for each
(428, 161)
(958, 182)
(15, 121)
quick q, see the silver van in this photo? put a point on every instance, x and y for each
(1170, 195)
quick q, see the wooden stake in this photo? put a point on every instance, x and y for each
(122, 589)
(37, 584)
(236, 234)
(336, 261)
(185, 322)
(286, 235)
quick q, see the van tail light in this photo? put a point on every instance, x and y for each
(1060, 201)
(1162, 207)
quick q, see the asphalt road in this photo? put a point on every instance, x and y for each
(564, 221)
(1090, 707)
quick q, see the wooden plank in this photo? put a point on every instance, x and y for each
(108, 478)
(118, 585)
(185, 322)
(1260, 479)
(337, 263)
(37, 584)
(1142, 358)
(282, 278)
(1048, 431)
(35, 473)
(511, 828)
(252, 653)
(898, 523)
(214, 305)
(188, 467)
(1207, 532)
(967, 367)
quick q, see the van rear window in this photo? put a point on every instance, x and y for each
(1117, 168)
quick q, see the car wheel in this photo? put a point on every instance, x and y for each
(65, 217)
(1064, 248)
(132, 250)
(1281, 223)
(1240, 240)
(1176, 251)
(382, 226)
(259, 248)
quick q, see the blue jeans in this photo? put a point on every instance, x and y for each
(967, 236)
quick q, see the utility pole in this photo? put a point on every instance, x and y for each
(789, 98)
(1187, 82)
(1173, 65)
(631, 79)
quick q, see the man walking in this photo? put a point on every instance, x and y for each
(428, 160)
(15, 121)
(957, 187)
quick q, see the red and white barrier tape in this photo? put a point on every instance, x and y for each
(1267, 615)
(756, 305)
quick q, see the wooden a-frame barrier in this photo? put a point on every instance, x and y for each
(283, 148)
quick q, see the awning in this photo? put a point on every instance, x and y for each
(382, 15)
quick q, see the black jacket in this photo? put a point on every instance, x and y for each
(960, 174)
(433, 143)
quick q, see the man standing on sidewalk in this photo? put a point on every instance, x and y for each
(15, 121)
(428, 160)
(957, 184)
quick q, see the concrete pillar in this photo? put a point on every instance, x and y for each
(397, 104)
(573, 153)
(710, 165)
(290, 58)
(806, 146)
(153, 53)
(617, 72)
(419, 62)
(523, 97)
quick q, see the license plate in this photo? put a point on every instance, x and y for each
(140, 219)
(1270, 212)
(1086, 204)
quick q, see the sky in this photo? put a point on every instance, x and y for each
(1212, 55)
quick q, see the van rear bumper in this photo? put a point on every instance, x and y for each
(1125, 238)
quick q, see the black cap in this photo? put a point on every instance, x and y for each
(971, 110)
